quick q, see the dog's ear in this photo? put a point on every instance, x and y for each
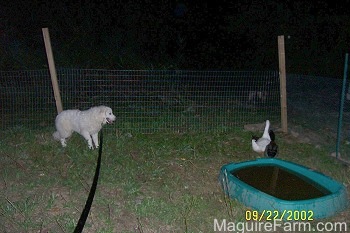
(102, 111)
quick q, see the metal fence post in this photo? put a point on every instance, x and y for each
(341, 108)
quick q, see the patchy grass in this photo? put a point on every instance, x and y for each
(161, 182)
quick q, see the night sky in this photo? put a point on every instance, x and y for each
(228, 35)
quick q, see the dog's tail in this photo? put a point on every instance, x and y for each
(56, 135)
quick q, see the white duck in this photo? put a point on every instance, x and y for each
(259, 144)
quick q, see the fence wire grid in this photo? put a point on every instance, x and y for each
(144, 100)
(314, 104)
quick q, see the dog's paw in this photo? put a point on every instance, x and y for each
(63, 143)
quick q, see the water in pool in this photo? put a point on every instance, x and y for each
(280, 183)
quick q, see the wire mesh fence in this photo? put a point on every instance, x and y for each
(314, 104)
(144, 100)
(25, 98)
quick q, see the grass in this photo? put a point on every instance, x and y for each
(160, 182)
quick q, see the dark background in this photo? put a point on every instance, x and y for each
(225, 35)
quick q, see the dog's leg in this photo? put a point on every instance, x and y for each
(87, 137)
(63, 142)
(95, 139)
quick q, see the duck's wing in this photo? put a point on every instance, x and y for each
(263, 142)
(260, 144)
(256, 147)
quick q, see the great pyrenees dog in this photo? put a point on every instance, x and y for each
(87, 123)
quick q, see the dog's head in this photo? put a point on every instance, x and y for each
(107, 115)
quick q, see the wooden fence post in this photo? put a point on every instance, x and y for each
(53, 74)
(283, 83)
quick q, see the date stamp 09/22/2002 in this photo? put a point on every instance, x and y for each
(270, 220)
(271, 215)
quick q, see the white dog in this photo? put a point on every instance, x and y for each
(87, 123)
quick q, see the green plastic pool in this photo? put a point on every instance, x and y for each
(331, 199)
